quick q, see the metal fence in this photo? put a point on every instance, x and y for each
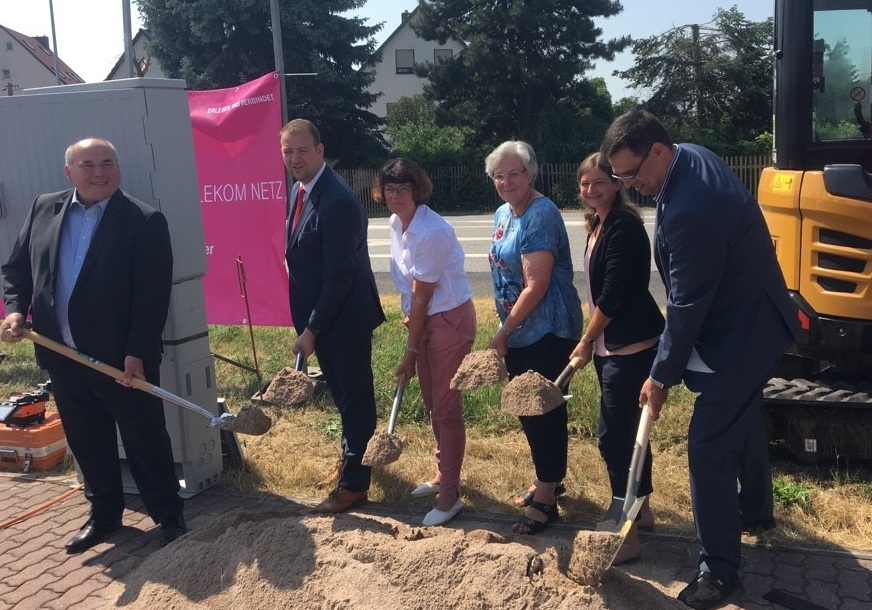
(466, 189)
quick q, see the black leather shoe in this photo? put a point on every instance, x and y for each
(172, 528)
(92, 533)
(706, 591)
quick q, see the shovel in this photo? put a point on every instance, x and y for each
(385, 447)
(594, 552)
(632, 504)
(250, 421)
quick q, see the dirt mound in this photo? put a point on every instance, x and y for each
(382, 448)
(289, 387)
(250, 420)
(530, 394)
(479, 369)
(273, 560)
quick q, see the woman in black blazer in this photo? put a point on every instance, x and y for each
(624, 328)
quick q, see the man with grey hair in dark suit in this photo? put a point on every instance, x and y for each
(93, 266)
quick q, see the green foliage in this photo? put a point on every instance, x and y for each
(222, 43)
(709, 83)
(412, 132)
(522, 62)
(788, 493)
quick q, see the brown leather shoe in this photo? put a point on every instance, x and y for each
(339, 501)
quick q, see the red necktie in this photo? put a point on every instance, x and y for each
(301, 196)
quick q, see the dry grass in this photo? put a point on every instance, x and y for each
(297, 453)
(303, 446)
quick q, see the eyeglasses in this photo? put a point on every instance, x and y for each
(402, 191)
(630, 177)
(513, 175)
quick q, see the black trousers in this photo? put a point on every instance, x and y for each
(346, 362)
(547, 434)
(620, 380)
(91, 404)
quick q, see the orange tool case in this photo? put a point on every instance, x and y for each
(34, 447)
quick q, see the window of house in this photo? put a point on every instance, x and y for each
(6, 75)
(405, 61)
(8, 46)
(440, 55)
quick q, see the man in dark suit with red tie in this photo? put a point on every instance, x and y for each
(334, 300)
(728, 321)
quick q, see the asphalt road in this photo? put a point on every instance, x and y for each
(474, 233)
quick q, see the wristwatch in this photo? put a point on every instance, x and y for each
(656, 383)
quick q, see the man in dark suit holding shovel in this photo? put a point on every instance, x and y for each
(94, 267)
(334, 300)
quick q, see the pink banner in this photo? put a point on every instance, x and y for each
(242, 195)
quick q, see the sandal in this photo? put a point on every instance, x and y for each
(526, 497)
(534, 527)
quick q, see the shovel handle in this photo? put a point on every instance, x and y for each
(398, 400)
(567, 373)
(111, 371)
(639, 453)
(300, 363)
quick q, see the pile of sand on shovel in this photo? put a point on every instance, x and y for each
(592, 555)
(479, 369)
(290, 387)
(530, 394)
(249, 420)
(382, 448)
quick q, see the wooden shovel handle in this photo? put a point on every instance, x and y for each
(111, 371)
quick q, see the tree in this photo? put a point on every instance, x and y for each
(412, 132)
(525, 61)
(709, 83)
(221, 43)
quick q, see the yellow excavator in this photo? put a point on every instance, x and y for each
(817, 200)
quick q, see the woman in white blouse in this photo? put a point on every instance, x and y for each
(427, 269)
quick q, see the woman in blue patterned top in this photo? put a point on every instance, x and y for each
(539, 310)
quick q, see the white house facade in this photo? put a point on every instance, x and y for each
(395, 72)
(143, 63)
(27, 62)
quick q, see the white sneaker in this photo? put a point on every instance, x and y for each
(425, 489)
(440, 517)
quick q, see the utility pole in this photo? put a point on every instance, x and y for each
(128, 43)
(54, 43)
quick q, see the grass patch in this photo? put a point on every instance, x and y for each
(790, 493)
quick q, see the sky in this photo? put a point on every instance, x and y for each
(90, 33)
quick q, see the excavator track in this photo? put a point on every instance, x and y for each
(820, 420)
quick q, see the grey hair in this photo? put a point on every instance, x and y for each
(68, 155)
(518, 148)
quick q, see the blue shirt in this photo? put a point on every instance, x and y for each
(78, 229)
(541, 227)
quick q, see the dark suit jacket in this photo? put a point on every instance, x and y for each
(726, 295)
(119, 304)
(331, 281)
(620, 269)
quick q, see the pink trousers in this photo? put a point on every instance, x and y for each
(448, 337)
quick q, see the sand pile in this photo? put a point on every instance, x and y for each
(382, 448)
(270, 561)
(289, 387)
(249, 420)
(530, 394)
(479, 369)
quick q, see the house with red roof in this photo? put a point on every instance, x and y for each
(27, 62)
